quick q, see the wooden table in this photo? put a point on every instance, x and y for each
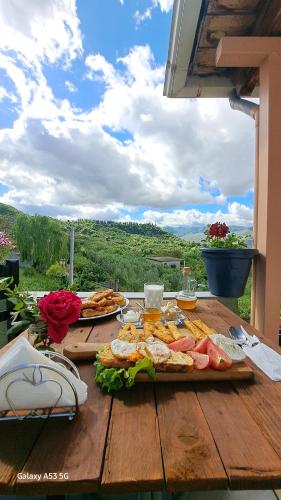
(154, 437)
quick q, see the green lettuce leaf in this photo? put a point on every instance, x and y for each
(144, 365)
(114, 379)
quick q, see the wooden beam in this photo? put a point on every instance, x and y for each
(264, 52)
(243, 51)
(268, 23)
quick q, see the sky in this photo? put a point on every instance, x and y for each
(85, 131)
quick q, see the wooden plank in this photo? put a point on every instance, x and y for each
(206, 57)
(248, 458)
(263, 401)
(191, 460)
(17, 440)
(72, 448)
(268, 23)
(133, 453)
(232, 6)
(77, 333)
(263, 398)
(225, 25)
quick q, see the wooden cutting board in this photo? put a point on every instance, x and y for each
(238, 371)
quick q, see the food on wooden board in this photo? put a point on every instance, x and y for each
(205, 328)
(101, 303)
(122, 354)
(156, 343)
(201, 361)
(175, 331)
(185, 344)
(198, 334)
(158, 352)
(131, 334)
(219, 360)
(230, 346)
(201, 345)
(158, 330)
(125, 350)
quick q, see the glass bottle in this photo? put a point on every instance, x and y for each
(186, 298)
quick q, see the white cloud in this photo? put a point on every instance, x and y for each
(47, 30)
(61, 160)
(70, 86)
(164, 5)
(236, 214)
(142, 16)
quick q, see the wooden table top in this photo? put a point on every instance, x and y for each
(179, 437)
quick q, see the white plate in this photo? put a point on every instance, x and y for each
(118, 310)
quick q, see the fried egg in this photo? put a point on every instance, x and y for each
(158, 352)
(125, 350)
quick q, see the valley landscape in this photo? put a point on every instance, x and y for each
(105, 251)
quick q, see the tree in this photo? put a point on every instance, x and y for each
(41, 240)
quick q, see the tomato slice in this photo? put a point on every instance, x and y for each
(219, 360)
(202, 345)
(201, 361)
(182, 345)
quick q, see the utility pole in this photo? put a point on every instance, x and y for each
(71, 256)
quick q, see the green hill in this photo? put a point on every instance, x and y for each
(106, 251)
(8, 217)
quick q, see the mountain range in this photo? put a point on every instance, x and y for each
(196, 233)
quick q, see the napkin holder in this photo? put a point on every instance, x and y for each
(45, 375)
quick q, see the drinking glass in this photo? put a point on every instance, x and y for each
(153, 295)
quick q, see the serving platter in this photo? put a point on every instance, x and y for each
(238, 371)
(112, 313)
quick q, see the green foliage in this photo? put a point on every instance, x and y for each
(244, 302)
(30, 279)
(127, 227)
(219, 236)
(114, 379)
(106, 251)
(24, 309)
(40, 240)
(8, 218)
(232, 240)
(59, 272)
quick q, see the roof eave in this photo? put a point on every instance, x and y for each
(185, 15)
(183, 32)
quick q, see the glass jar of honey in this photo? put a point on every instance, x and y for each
(151, 314)
(186, 302)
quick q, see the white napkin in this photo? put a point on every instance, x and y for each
(25, 395)
(264, 357)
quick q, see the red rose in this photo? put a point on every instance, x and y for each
(218, 229)
(59, 310)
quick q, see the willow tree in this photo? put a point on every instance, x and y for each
(41, 240)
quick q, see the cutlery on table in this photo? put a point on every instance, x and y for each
(239, 333)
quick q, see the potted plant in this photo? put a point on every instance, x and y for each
(227, 259)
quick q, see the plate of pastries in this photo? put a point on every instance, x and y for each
(101, 304)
